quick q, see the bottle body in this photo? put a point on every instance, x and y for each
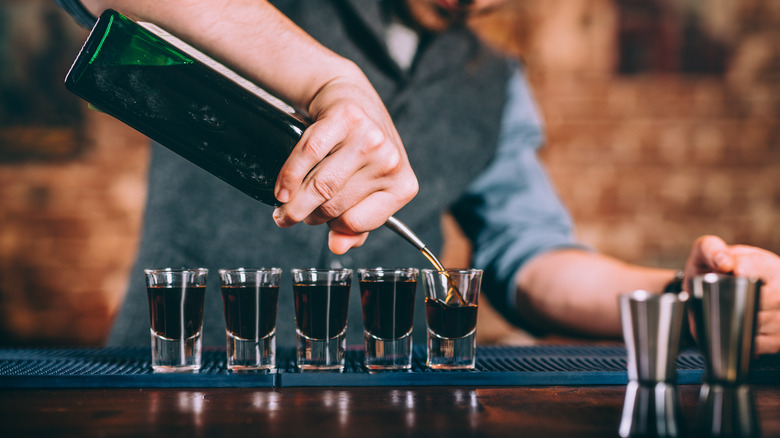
(187, 102)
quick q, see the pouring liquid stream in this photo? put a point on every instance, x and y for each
(453, 294)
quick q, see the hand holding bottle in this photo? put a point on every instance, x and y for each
(349, 170)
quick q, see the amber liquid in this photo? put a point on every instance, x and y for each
(388, 307)
(250, 312)
(321, 309)
(453, 294)
(450, 321)
(176, 312)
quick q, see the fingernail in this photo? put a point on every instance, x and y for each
(277, 215)
(721, 259)
(283, 196)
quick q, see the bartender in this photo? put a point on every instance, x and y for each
(410, 110)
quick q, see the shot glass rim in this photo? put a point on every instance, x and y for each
(337, 276)
(715, 277)
(412, 272)
(273, 270)
(344, 270)
(380, 268)
(467, 274)
(176, 270)
(453, 271)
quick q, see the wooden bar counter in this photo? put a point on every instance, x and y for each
(360, 412)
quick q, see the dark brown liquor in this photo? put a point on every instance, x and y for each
(450, 321)
(321, 309)
(250, 312)
(388, 307)
(176, 312)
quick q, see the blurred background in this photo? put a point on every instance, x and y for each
(662, 121)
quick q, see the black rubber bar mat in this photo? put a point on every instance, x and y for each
(496, 366)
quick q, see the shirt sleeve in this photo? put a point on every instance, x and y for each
(78, 12)
(511, 212)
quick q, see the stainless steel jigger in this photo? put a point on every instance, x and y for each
(724, 308)
(652, 326)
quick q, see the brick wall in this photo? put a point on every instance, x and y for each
(71, 189)
(68, 238)
(646, 162)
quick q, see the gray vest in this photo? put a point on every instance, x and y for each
(447, 109)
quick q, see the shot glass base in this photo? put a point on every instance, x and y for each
(451, 354)
(176, 355)
(316, 355)
(387, 354)
(251, 355)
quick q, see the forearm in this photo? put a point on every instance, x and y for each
(577, 291)
(252, 37)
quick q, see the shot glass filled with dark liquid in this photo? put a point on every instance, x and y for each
(250, 298)
(452, 324)
(176, 317)
(387, 298)
(321, 302)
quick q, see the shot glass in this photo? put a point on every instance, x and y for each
(321, 302)
(387, 298)
(451, 299)
(176, 316)
(249, 298)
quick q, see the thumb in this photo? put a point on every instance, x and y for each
(709, 254)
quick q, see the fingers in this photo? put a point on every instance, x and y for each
(350, 230)
(708, 254)
(766, 344)
(764, 265)
(348, 160)
(343, 184)
(317, 142)
(384, 178)
(340, 243)
(711, 254)
(768, 322)
(756, 262)
(323, 184)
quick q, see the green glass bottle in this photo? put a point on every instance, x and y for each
(187, 102)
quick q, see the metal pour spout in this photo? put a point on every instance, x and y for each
(404, 231)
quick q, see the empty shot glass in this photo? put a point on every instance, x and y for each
(321, 302)
(176, 316)
(451, 299)
(387, 298)
(250, 298)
